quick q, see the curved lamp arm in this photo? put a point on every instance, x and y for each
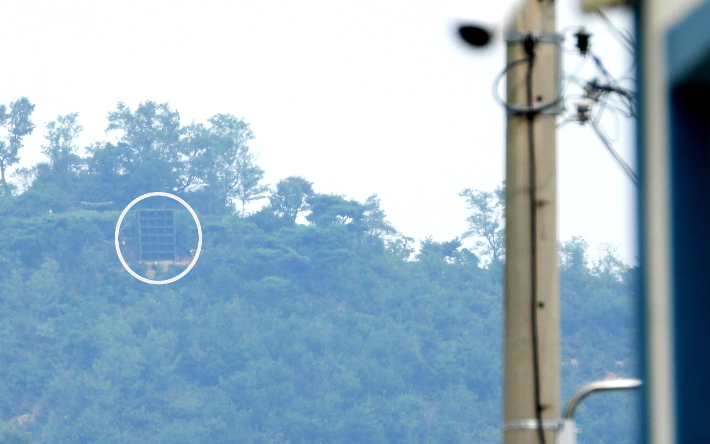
(599, 386)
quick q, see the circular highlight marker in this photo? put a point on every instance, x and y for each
(199, 241)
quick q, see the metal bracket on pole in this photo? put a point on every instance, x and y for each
(599, 386)
(531, 424)
(551, 108)
(568, 432)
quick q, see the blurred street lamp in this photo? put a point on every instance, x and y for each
(475, 35)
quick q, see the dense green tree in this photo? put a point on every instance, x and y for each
(301, 334)
(486, 223)
(331, 331)
(152, 131)
(198, 145)
(16, 124)
(220, 157)
(290, 197)
(376, 219)
(61, 148)
(574, 255)
(332, 209)
(105, 179)
(610, 264)
(154, 152)
(55, 184)
(147, 153)
(24, 177)
(439, 250)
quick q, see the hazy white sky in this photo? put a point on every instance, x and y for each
(358, 97)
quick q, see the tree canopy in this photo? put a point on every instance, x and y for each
(486, 222)
(16, 124)
(309, 320)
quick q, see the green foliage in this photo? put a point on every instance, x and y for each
(302, 334)
(331, 209)
(211, 164)
(235, 164)
(220, 165)
(486, 223)
(376, 220)
(297, 335)
(17, 125)
(61, 149)
(290, 197)
(598, 339)
(148, 147)
(330, 331)
(13, 438)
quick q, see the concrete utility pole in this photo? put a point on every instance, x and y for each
(531, 407)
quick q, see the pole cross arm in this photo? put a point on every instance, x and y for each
(599, 386)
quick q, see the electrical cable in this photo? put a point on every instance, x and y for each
(612, 85)
(499, 77)
(520, 110)
(573, 77)
(622, 163)
(621, 107)
(601, 68)
(529, 45)
(616, 120)
(625, 41)
(609, 94)
(567, 118)
(596, 120)
(627, 74)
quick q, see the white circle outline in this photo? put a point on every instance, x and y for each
(199, 242)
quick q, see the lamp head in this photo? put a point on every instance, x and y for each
(475, 35)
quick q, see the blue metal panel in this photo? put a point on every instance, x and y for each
(690, 179)
(156, 235)
(688, 67)
(688, 47)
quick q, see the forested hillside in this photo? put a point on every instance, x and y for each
(311, 320)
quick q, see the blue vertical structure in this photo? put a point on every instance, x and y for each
(688, 61)
(156, 235)
(682, 107)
